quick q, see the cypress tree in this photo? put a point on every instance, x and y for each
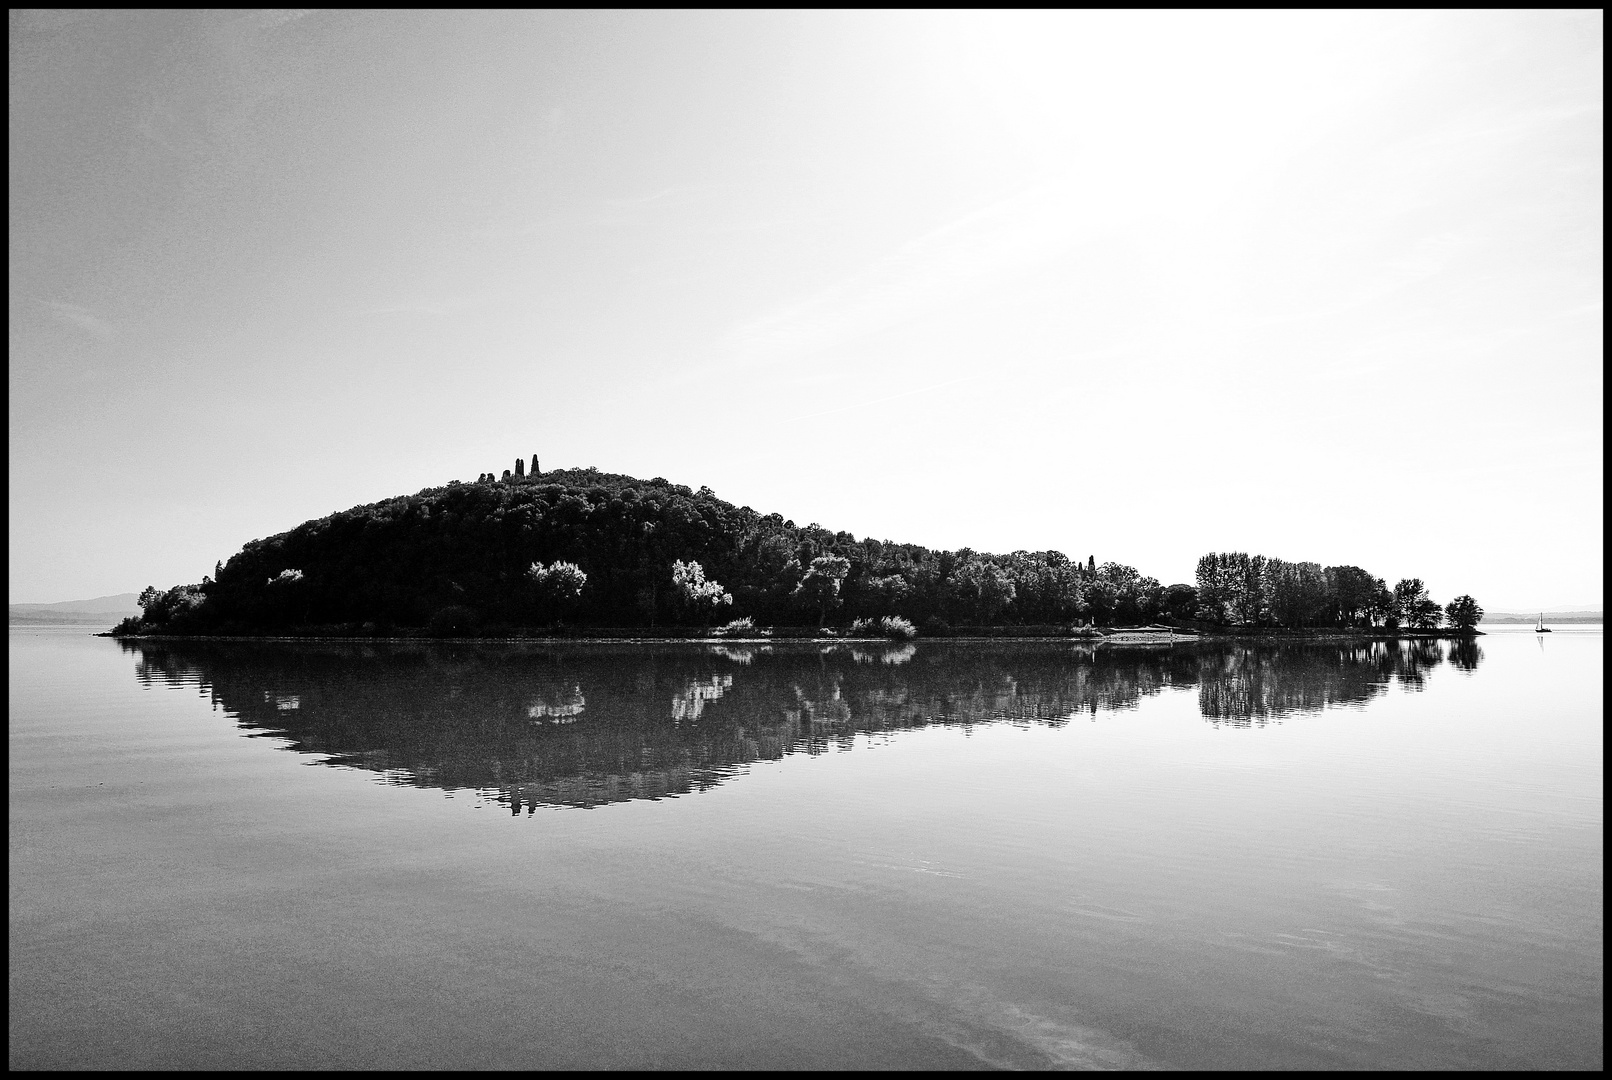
(520, 468)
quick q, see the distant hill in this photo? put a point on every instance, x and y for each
(1577, 616)
(104, 611)
(120, 604)
(104, 620)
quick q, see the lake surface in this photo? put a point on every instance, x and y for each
(941, 855)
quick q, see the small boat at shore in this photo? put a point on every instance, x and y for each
(1539, 625)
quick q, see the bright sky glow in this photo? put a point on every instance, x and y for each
(1323, 286)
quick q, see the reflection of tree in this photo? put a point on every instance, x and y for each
(561, 705)
(1243, 684)
(688, 703)
(1413, 659)
(889, 654)
(740, 654)
(1466, 654)
(591, 724)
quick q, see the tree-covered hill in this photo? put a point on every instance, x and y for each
(464, 554)
(581, 547)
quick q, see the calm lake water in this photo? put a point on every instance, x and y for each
(945, 855)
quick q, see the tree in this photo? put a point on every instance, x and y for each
(287, 595)
(1213, 590)
(558, 579)
(1381, 604)
(1408, 593)
(820, 584)
(983, 589)
(148, 599)
(1463, 613)
(1102, 599)
(1296, 593)
(1351, 590)
(1180, 601)
(1137, 598)
(1231, 587)
(178, 608)
(888, 592)
(1249, 604)
(1426, 614)
(556, 587)
(694, 592)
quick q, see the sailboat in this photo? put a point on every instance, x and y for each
(1539, 625)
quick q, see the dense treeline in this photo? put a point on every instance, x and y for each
(582, 547)
(1238, 589)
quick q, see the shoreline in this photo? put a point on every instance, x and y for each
(1120, 636)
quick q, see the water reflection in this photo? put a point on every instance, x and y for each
(584, 725)
(1466, 654)
(1250, 686)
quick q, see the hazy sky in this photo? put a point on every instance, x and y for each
(1320, 286)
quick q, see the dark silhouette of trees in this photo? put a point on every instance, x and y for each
(1463, 613)
(1231, 588)
(1180, 601)
(454, 620)
(399, 562)
(1408, 592)
(1135, 598)
(1353, 593)
(1238, 589)
(175, 610)
(981, 590)
(1297, 594)
(1412, 605)
(1426, 615)
(820, 585)
(1102, 601)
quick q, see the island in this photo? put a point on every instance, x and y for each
(584, 553)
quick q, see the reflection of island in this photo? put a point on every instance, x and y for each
(1249, 685)
(589, 724)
